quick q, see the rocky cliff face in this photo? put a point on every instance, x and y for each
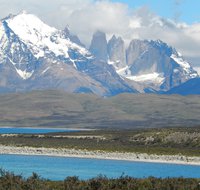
(99, 47)
(74, 38)
(148, 66)
(157, 64)
(117, 52)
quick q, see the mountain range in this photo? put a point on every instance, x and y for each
(35, 56)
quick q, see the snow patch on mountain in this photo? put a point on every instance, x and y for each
(123, 71)
(197, 69)
(24, 74)
(179, 60)
(184, 64)
(154, 77)
(43, 72)
(157, 78)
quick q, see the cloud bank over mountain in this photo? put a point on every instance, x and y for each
(84, 17)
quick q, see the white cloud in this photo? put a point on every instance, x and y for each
(86, 16)
(108, 17)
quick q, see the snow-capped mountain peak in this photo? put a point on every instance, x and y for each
(41, 38)
(28, 26)
(24, 39)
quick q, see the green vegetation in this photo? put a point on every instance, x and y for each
(10, 181)
(60, 109)
(185, 141)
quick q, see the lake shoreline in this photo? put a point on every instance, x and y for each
(97, 154)
(53, 128)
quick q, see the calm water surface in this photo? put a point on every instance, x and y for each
(17, 130)
(57, 168)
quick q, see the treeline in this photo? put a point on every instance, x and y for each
(10, 181)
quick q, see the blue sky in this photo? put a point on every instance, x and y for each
(181, 10)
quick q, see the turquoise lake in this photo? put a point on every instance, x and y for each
(57, 168)
(17, 130)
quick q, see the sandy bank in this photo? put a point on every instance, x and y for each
(172, 159)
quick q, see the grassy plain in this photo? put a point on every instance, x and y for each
(125, 111)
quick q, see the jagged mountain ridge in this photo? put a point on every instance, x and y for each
(147, 65)
(38, 56)
(35, 56)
